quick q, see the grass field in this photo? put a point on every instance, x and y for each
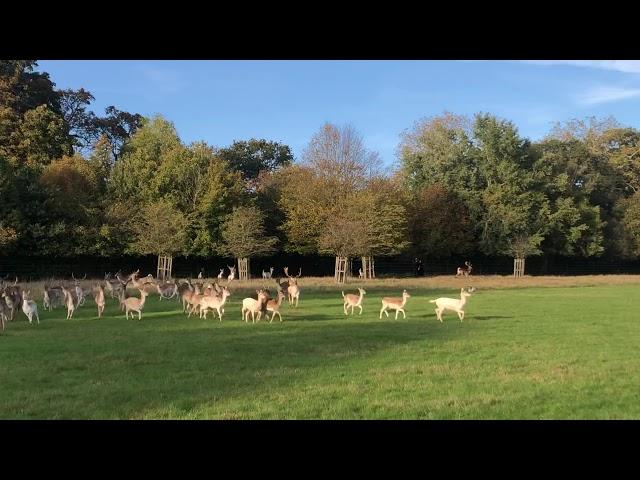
(546, 352)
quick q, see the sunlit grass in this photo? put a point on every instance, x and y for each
(520, 353)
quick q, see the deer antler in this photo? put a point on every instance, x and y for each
(286, 271)
(299, 273)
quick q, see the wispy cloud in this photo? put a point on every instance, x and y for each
(626, 66)
(599, 95)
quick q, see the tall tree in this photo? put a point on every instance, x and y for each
(250, 157)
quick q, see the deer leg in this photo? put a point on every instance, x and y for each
(381, 310)
(403, 314)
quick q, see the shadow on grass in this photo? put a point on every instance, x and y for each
(169, 368)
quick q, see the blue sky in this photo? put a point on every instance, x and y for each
(287, 101)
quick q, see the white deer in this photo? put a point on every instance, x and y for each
(395, 303)
(29, 307)
(351, 300)
(133, 304)
(221, 274)
(253, 306)
(232, 273)
(214, 302)
(268, 274)
(452, 304)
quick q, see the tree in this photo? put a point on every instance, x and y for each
(243, 236)
(80, 122)
(439, 150)
(252, 157)
(118, 126)
(158, 229)
(439, 224)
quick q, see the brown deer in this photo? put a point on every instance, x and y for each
(464, 271)
(395, 303)
(351, 300)
(293, 291)
(273, 306)
(98, 296)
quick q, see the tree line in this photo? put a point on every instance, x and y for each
(75, 183)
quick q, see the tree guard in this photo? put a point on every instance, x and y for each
(165, 265)
(518, 267)
(341, 269)
(243, 269)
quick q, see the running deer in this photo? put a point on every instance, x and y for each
(134, 304)
(29, 307)
(168, 290)
(214, 302)
(69, 302)
(351, 300)
(80, 294)
(452, 304)
(52, 296)
(293, 290)
(268, 274)
(273, 306)
(253, 306)
(464, 271)
(395, 303)
(98, 296)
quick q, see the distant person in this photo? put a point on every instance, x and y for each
(419, 267)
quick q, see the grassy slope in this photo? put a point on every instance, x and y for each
(521, 353)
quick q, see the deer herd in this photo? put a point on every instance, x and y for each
(196, 297)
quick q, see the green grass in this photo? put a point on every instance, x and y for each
(520, 353)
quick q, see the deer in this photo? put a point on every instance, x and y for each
(5, 311)
(69, 303)
(232, 273)
(168, 290)
(13, 298)
(464, 271)
(214, 302)
(268, 274)
(134, 304)
(253, 306)
(273, 306)
(351, 300)
(293, 290)
(221, 274)
(29, 307)
(51, 297)
(98, 296)
(395, 303)
(360, 273)
(187, 291)
(452, 304)
(193, 300)
(80, 294)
